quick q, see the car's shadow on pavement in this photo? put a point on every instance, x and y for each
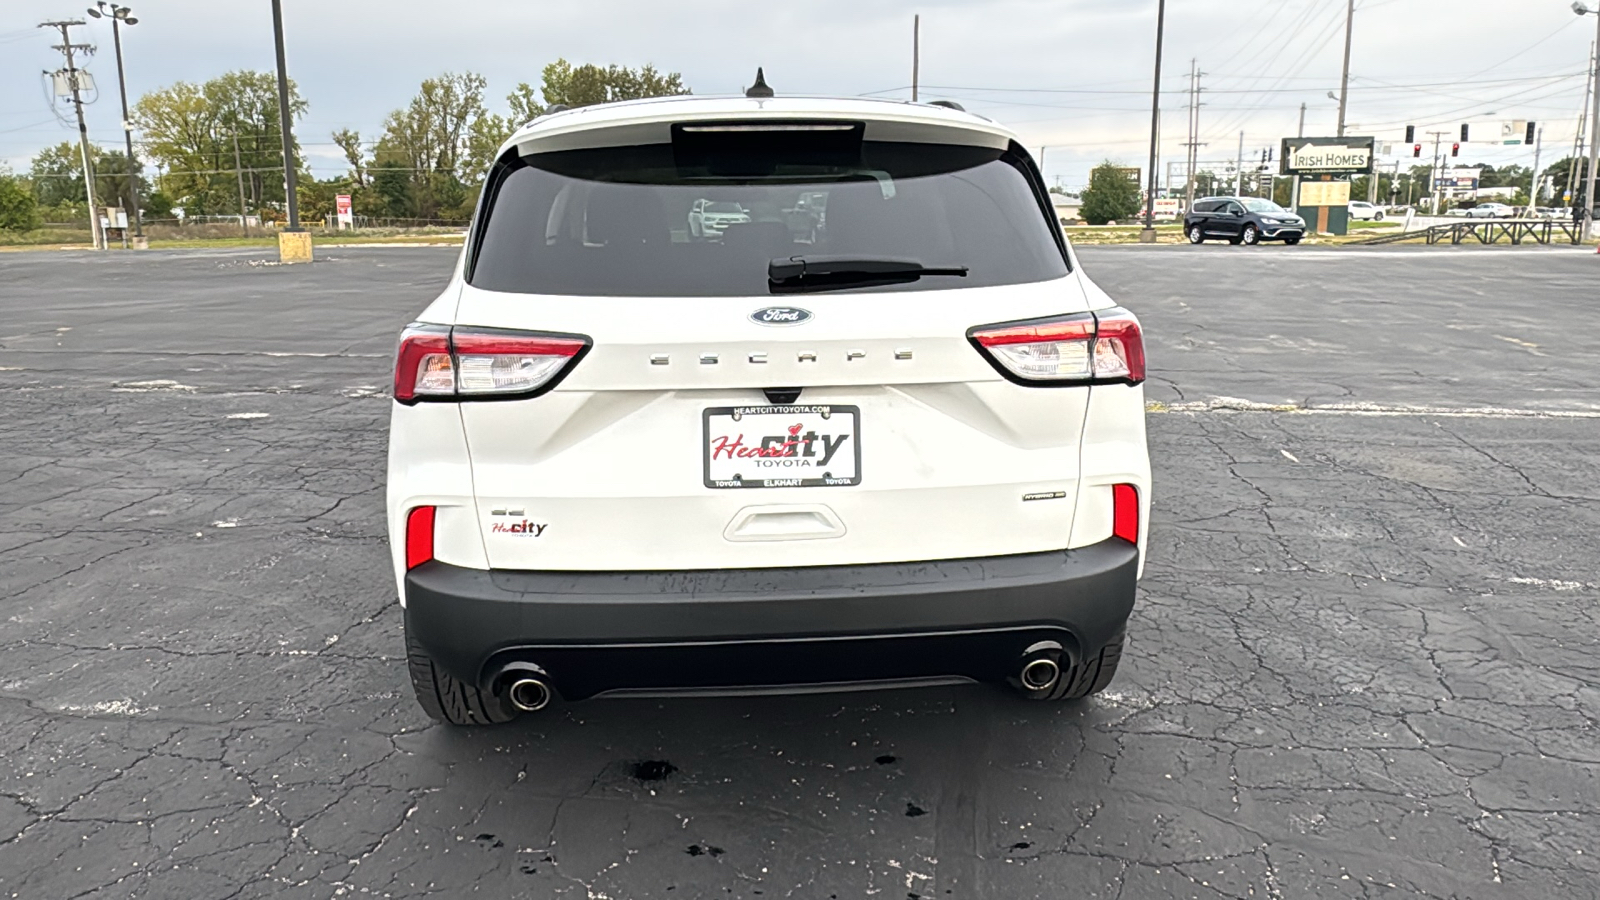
(921, 790)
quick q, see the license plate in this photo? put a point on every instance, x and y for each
(782, 446)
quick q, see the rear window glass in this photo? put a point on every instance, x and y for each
(649, 221)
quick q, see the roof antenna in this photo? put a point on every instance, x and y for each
(759, 89)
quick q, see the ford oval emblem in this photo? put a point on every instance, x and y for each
(780, 315)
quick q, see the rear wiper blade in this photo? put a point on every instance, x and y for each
(821, 273)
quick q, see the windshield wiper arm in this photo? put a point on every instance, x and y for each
(821, 273)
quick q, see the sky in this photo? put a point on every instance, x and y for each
(1073, 78)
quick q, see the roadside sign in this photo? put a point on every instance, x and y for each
(1328, 156)
(1512, 132)
(1325, 193)
(344, 211)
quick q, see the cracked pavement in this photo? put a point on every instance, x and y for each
(1363, 663)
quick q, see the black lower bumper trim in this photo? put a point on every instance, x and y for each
(597, 632)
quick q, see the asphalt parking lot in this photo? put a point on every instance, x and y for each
(1365, 661)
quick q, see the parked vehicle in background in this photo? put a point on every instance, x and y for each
(1242, 220)
(808, 216)
(1552, 212)
(708, 219)
(906, 450)
(1491, 211)
(1363, 211)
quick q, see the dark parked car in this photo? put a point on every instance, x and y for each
(1242, 220)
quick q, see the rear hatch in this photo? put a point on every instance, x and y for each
(783, 394)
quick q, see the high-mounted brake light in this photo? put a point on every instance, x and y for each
(436, 362)
(1084, 348)
(1125, 512)
(419, 536)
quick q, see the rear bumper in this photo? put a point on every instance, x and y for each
(600, 632)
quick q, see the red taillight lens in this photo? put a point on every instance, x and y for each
(1125, 512)
(438, 362)
(1119, 346)
(423, 366)
(1084, 348)
(419, 536)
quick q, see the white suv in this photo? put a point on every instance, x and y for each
(904, 447)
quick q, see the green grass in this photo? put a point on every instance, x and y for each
(162, 237)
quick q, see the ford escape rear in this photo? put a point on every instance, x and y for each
(899, 444)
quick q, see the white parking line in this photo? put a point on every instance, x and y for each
(1235, 404)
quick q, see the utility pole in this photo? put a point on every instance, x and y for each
(238, 172)
(1583, 124)
(1372, 181)
(1238, 172)
(1148, 235)
(1437, 173)
(1594, 131)
(67, 46)
(1344, 80)
(1533, 186)
(916, 54)
(1193, 143)
(1295, 186)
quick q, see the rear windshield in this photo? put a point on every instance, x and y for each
(628, 221)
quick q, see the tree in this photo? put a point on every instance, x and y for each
(1111, 195)
(429, 139)
(19, 211)
(56, 174)
(192, 130)
(350, 142)
(1573, 168)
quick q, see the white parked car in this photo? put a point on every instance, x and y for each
(1491, 211)
(910, 452)
(710, 218)
(1363, 211)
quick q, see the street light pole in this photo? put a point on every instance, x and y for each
(1148, 234)
(285, 124)
(119, 16)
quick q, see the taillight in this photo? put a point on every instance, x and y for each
(1118, 346)
(419, 536)
(1084, 348)
(437, 362)
(1125, 512)
(423, 367)
(495, 363)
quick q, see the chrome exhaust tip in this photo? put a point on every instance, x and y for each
(1040, 673)
(528, 694)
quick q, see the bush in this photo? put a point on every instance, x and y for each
(18, 210)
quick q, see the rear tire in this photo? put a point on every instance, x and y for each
(447, 699)
(1196, 236)
(1089, 677)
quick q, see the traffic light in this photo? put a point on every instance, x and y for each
(1416, 149)
(1463, 134)
(1531, 129)
(1455, 149)
(1411, 134)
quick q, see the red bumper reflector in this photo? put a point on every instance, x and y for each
(419, 536)
(1125, 512)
